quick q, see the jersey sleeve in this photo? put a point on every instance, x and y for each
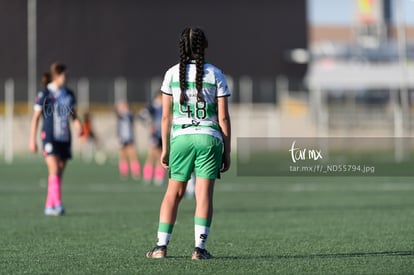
(166, 83)
(39, 101)
(221, 82)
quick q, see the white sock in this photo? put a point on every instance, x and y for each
(201, 235)
(163, 238)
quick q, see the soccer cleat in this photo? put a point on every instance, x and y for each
(60, 210)
(201, 254)
(54, 211)
(159, 182)
(158, 252)
(49, 211)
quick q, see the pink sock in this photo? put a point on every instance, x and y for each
(123, 168)
(135, 168)
(52, 191)
(49, 197)
(148, 172)
(58, 196)
(159, 173)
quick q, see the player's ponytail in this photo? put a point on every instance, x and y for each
(184, 58)
(192, 46)
(200, 43)
(46, 78)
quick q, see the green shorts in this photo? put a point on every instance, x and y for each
(200, 153)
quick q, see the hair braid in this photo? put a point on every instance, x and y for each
(183, 74)
(199, 58)
(183, 66)
(192, 45)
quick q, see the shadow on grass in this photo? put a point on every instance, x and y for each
(320, 256)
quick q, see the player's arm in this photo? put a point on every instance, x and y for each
(225, 125)
(74, 114)
(33, 130)
(166, 128)
(76, 122)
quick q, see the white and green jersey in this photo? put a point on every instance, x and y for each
(195, 117)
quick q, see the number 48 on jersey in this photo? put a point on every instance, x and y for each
(199, 109)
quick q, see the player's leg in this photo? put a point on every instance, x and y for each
(181, 165)
(52, 163)
(133, 161)
(168, 214)
(123, 163)
(61, 166)
(203, 216)
(207, 169)
(61, 169)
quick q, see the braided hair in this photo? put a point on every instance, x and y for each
(193, 42)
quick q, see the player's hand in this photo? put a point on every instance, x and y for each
(79, 128)
(164, 159)
(33, 147)
(225, 163)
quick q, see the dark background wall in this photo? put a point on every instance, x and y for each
(139, 39)
(13, 38)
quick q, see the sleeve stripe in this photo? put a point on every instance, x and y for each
(166, 93)
(223, 96)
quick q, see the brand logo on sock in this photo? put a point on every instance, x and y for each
(203, 236)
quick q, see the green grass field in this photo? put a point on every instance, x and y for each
(262, 225)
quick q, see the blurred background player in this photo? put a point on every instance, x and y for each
(88, 139)
(57, 104)
(191, 185)
(195, 137)
(153, 170)
(127, 152)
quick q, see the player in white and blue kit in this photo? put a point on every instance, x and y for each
(57, 105)
(126, 137)
(153, 171)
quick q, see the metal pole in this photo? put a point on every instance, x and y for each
(155, 86)
(246, 91)
(402, 53)
(398, 127)
(120, 88)
(9, 106)
(83, 94)
(31, 52)
(245, 109)
(282, 90)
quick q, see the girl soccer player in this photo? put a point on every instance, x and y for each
(57, 104)
(127, 151)
(195, 137)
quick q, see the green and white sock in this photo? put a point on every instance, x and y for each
(201, 230)
(164, 233)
